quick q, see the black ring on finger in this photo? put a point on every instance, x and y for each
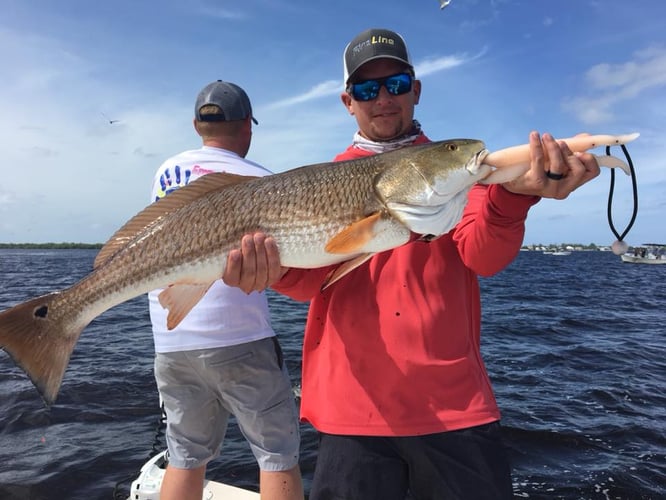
(555, 177)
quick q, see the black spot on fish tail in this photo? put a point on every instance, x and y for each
(39, 335)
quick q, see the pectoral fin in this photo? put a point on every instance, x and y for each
(179, 300)
(344, 268)
(352, 238)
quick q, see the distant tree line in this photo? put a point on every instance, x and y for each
(66, 245)
(51, 245)
(559, 246)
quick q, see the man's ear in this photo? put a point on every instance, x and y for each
(417, 91)
(347, 101)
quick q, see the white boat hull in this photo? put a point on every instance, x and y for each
(147, 485)
(633, 259)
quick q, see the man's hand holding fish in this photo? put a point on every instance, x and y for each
(255, 265)
(555, 171)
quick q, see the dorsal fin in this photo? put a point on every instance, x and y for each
(155, 211)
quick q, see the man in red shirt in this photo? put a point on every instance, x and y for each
(392, 372)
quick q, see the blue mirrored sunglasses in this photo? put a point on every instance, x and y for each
(369, 89)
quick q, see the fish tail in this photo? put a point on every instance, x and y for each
(40, 342)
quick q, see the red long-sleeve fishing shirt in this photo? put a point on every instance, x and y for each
(393, 348)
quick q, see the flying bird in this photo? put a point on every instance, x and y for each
(444, 3)
(111, 122)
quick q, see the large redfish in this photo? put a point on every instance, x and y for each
(319, 215)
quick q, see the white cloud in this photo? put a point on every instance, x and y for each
(611, 84)
(327, 88)
(436, 64)
(220, 13)
(430, 66)
(332, 87)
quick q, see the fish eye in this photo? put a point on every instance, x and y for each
(452, 147)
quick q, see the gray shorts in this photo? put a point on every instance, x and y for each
(201, 388)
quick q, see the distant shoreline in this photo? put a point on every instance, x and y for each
(51, 245)
(69, 245)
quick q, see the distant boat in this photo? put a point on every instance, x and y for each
(648, 253)
(557, 252)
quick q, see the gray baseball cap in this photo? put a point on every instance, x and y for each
(232, 100)
(375, 43)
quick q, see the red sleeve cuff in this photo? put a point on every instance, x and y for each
(508, 204)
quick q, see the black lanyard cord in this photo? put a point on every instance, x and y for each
(620, 237)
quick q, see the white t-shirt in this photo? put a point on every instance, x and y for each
(225, 315)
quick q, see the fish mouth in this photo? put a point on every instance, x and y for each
(480, 156)
(475, 165)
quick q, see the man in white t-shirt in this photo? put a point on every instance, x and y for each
(224, 357)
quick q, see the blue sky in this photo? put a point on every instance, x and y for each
(491, 70)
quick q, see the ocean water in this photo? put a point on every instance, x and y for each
(575, 346)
